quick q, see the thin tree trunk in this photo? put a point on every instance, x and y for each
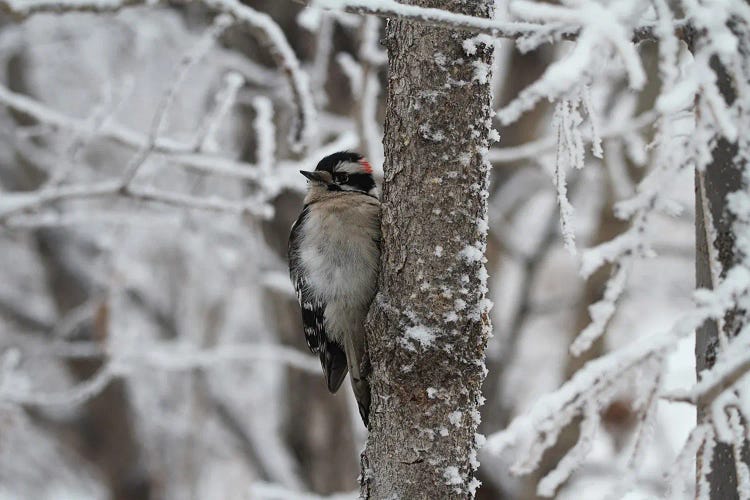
(722, 177)
(428, 327)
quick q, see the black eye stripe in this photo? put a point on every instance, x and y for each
(362, 182)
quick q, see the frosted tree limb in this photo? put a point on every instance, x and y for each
(14, 203)
(541, 425)
(160, 358)
(74, 396)
(445, 19)
(180, 152)
(187, 61)
(205, 138)
(260, 25)
(265, 135)
(536, 148)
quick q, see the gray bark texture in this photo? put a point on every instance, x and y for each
(722, 177)
(428, 326)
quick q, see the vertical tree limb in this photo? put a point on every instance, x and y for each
(428, 327)
(715, 241)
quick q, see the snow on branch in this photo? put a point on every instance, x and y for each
(536, 148)
(205, 138)
(15, 388)
(596, 384)
(189, 59)
(260, 25)
(494, 27)
(16, 203)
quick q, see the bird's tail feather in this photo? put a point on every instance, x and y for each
(354, 346)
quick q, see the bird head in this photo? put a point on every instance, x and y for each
(343, 171)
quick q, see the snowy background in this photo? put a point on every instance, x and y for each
(150, 343)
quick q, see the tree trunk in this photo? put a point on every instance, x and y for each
(429, 324)
(721, 177)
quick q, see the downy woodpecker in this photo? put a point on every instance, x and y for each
(334, 256)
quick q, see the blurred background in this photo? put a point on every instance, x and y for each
(150, 343)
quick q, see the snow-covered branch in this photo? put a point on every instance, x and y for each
(15, 203)
(494, 27)
(153, 357)
(259, 24)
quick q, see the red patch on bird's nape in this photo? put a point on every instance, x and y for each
(366, 167)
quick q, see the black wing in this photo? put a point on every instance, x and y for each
(332, 357)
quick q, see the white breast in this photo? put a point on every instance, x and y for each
(341, 258)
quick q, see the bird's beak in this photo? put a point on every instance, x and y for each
(313, 176)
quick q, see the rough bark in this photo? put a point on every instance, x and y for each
(428, 326)
(721, 177)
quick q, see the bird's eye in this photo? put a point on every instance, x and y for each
(342, 178)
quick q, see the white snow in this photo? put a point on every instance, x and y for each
(452, 475)
(472, 253)
(423, 335)
(455, 418)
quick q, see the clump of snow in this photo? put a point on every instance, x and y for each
(455, 418)
(438, 251)
(423, 335)
(470, 44)
(494, 135)
(473, 485)
(430, 134)
(482, 72)
(472, 253)
(452, 475)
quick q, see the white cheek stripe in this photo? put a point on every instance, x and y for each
(349, 168)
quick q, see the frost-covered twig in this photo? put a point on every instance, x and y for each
(433, 17)
(445, 19)
(14, 203)
(260, 25)
(187, 61)
(166, 357)
(74, 396)
(159, 357)
(536, 431)
(733, 365)
(265, 135)
(602, 311)
(681, 472)
(176, 151)
(110, 130)
(536, 148)
(575, 457)
(205, 138)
